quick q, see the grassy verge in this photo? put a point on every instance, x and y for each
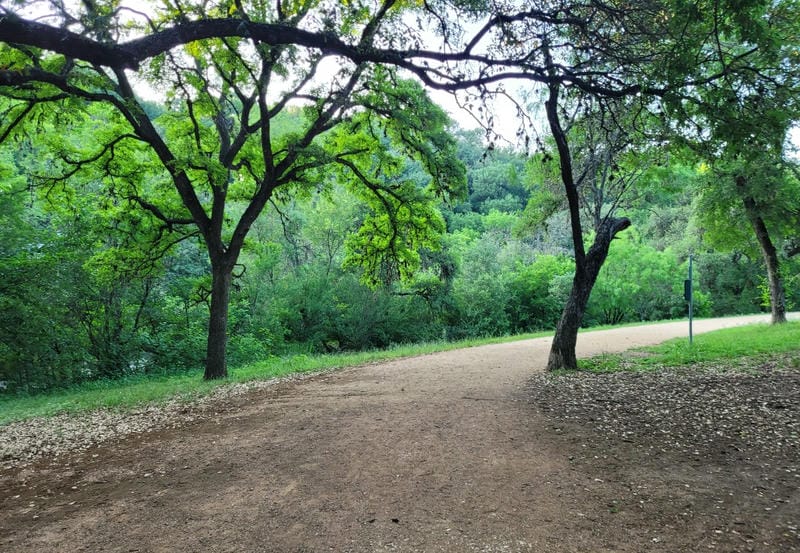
(139, 390)
(729, 343)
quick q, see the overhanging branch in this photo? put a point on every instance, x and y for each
(129, 55)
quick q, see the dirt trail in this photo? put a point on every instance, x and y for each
(435, 453)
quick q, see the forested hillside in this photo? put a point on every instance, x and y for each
(90, 289)
(291, 187)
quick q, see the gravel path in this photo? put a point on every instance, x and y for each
(25, 441)
(470, 450)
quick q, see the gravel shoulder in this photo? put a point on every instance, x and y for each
(470, 450)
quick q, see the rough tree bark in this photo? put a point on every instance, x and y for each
(562, 352)
(777, 295)
(216, 347)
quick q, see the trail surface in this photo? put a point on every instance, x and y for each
(443, 452)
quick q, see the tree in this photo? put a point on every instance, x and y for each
(216, 154)
(601, 51)
(599, 161)
(738, 126)
(587, 264)
(666, 50)
(757, 189)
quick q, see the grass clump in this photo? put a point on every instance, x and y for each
(726, 344)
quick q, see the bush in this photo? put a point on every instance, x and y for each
(480, 307)
(534, 302)
(639, 283)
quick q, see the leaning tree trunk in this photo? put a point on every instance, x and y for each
(562, 352)
(216, 365)
(587, 265)
(777, 296)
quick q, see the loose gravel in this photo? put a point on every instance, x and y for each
(25, 441)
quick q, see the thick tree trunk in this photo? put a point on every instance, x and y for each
(562, 352)
(216, 365)
(777, 296)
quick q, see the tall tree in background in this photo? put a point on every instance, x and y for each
(752, 197)
(739, 127)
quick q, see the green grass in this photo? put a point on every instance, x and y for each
(136, 391)
(729, 343)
